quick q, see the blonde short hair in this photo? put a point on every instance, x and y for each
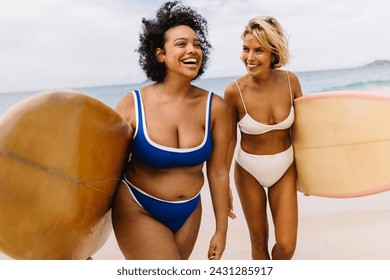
(271, 36)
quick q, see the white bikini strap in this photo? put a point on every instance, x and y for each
(289, 86)
(242, 99)
(136, 113)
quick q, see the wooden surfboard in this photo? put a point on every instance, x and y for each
(62, 155)
(342, 144)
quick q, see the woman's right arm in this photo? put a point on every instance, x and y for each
(229, 96)
(126, 109)
(233, 116)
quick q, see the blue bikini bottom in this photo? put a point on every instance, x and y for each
(173, 214)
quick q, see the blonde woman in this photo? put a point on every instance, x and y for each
(261, 103)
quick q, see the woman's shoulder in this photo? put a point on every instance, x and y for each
(232, 90)
(295, 84)
(125, 106)
(291, 75)
(127, 99)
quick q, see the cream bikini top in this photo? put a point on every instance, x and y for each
(250, 126)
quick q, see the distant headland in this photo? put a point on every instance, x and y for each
(378, 62)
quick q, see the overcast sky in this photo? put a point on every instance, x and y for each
(48, 44)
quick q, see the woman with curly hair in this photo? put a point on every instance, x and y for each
(176, 127)
(261, 104)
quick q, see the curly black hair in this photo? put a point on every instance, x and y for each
(169, 15)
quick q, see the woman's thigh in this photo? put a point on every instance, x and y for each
(139, 235)
(253, 201)
(187, 235)
(284, 207)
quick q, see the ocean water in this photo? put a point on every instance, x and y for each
(373, 79)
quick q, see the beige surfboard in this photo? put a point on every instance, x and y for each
(342, 144)
(62, 156)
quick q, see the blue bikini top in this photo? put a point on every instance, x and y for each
(152, 154)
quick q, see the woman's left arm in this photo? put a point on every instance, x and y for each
(295, 85)
(218, 174)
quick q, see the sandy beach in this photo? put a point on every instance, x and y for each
(329, 229)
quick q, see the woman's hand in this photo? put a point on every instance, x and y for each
(230, 209)
(217, 246)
